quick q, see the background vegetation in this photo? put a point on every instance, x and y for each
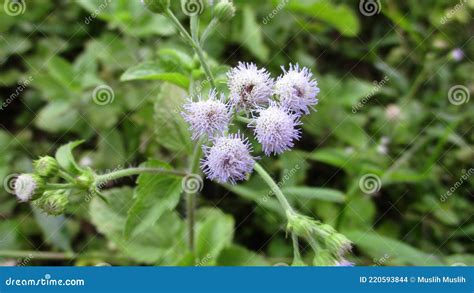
(387, 110)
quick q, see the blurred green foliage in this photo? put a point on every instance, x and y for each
(384, 110)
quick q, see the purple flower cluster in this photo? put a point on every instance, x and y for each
(275, 108)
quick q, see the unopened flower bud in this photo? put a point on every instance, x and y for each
(338, 244)
(224, 10)
(157, 6)
(53, 202)
(29, 187)
(86, 179)
(46, 166)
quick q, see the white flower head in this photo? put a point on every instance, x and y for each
(207, 117)
(249, 86)
(297, 90)
(28, 187)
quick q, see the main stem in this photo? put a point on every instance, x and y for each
(275, 188)
(135, 171)
(195, 44)
(191, 197)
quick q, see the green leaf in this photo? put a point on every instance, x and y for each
(155, 71)
(57, 116)
(340, 16)
(236, 255)
(170, 128)
(326, 194)
(63, 72)
(251, 35)
(214, 232)
(396, 252)
(155, 195)
(160, 244)
(359, 213)
(66, 159)
(54, 229)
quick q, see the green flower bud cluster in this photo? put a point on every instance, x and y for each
(53, 202)
(42, 189)
(329, 245)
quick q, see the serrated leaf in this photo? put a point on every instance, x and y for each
(339, 16)
(326, 194)
(171, 129)
(155, 71)
(155, 195)
(159, 244)
(66, 159)
(236, 255)
(397, 252)
(213, 234)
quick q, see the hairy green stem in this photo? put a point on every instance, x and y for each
(194, 44)
(275, 188)
(46, 255)
(135, 171)
(191, 197)
(56, 186)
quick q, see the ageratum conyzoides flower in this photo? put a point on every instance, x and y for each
(207, 117)
(228, 160)
(249, 86)
(29, 187)
(276, 129)
(297, 90)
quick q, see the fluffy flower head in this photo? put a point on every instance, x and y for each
(228, 159)
(207, 117)
(276, 129)
(28, 187)
(249, 86)
(297, 90)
